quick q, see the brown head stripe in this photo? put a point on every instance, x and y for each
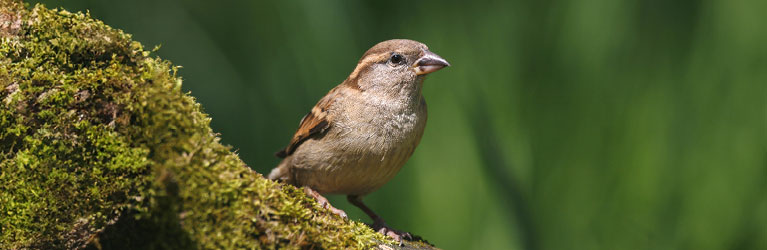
(364, 64)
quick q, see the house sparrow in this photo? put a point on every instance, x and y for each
(360, 134)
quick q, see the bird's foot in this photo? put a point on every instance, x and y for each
(324, 202)
(397, 235)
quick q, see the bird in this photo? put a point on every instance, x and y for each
(360, 134)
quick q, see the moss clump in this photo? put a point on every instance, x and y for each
(100, 148)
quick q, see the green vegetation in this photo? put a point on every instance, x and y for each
(100, 147)
(565, 124)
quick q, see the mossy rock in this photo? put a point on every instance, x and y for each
(99, 148)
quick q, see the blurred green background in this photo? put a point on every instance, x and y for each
(561, 124)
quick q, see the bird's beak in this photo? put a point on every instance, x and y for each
(428, 63)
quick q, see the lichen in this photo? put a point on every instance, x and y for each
(99, 147)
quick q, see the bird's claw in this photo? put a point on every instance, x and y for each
(324, 203)
(393, 233)
(337, 211)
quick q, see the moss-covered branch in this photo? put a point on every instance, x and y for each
(100, 148)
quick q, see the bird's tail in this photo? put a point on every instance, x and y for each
(281, 172)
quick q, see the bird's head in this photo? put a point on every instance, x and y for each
(395, 65)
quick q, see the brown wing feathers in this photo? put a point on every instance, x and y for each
(317, 121)
(314, 123)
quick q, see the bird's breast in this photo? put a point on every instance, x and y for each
(357, 156)
(384, 123)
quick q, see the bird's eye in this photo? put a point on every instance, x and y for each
(396, 59)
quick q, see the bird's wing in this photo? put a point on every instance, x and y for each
(315, 123)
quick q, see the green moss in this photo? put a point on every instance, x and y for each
(100, 148)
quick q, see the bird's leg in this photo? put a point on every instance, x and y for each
(324, 202)
(378, 223)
